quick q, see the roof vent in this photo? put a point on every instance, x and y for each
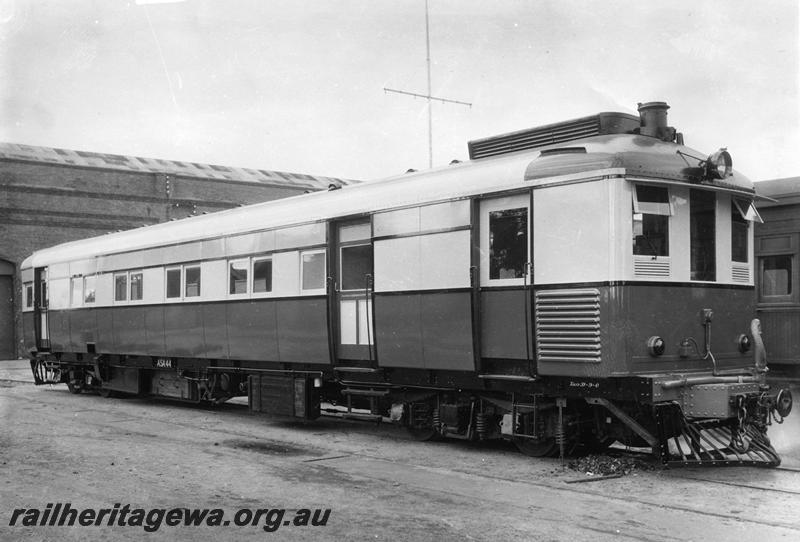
(550, 134)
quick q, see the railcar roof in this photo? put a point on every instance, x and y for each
(629, 154)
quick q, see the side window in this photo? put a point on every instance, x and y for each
(743, 212)
(121, 287)
(651, 212)
(89, 288)
(173, 282)
(262, 275)
(28, 295)
(356, 263)
(508, 243)
(776, 276)
(312, 270)
(137, 289)
(702, 233)
(192, 281)
(77, 292)
(237, 273)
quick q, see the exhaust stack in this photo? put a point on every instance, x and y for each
(653, 121)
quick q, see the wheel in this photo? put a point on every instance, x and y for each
(537, 448)
(423, 433)
(105, 392)
(595, 445)
(74, 387)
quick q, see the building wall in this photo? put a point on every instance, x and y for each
(43, 204)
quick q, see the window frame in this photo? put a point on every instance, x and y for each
(666, 209)
(319, 290)
(248, 268)
(185, 282)
(84, 290)
(504, 203)
(253, 262)
(353, 244)
(27, 292)
(139, 272)
(167, 270)
(116, 275)
(778, 298)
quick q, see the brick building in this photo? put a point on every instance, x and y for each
(50, 196)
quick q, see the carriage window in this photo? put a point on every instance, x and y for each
(508, 243)
(262, 275)
(29, 296)
(313, 270)
(89, 289)
(356, 265)
(740, 229)
(192, 281)
(776, 275)
(703, 235)
(238, 277)
(173, 282)
(77, 291)
(136, 286)
(651, 212)
(121, 287)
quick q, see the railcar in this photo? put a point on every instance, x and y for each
(558, 290)
(778, 279)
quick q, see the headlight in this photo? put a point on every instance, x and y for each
(719, 165)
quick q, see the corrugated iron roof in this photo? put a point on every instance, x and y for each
(49, 155)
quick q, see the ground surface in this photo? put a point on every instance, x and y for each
(94, 452)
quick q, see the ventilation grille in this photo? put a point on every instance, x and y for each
(533, 138)
(568, 325)
(648, 267)
(741, 273)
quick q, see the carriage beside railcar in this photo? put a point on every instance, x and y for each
(559, 290)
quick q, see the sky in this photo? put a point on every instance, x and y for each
(298, 85)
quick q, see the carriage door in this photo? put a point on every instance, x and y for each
(354, 287)
(40, 302)
(505, 269)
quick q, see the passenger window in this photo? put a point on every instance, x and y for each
(313, 270)
(776, 275)
(89, 289)
(192, 281)
(29, 296)
(77, 291)
(742, 213)
(356, 262)
(262, 276)
(740, 229)
(651, 212)
(173, 282)
(238, 277)
(121, 287)
(137, 289)
(508, 243)
(702, 233)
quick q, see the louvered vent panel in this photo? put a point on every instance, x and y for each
(534, 138)
(568, 325)
(741, 273)
(648, 267)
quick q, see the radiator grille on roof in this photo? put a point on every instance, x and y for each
(568, 325)
(603, 123)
